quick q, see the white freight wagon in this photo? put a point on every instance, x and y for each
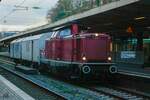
(29, 48)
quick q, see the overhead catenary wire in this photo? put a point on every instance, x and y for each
(12, 11)
(20, 7)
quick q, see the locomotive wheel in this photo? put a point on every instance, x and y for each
(86, 69)
(113, 69)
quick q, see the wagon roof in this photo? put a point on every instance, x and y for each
(32, 37)
(17, 40)
(29, 38)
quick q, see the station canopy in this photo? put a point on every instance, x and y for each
(115, 19)
(130, 19)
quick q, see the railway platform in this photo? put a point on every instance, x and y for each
(8, 91)
(136, 71)
(6, 54)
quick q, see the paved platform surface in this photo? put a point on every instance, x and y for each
(4, 54)
(8, 91)
(134, 71)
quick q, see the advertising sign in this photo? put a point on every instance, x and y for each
(128, 54)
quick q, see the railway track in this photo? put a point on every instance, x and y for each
(120, 94)
(33, 90)
(66, 91)
(102, 93)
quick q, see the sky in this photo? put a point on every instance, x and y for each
(20, 14)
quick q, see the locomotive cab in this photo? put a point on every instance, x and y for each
(94, 53)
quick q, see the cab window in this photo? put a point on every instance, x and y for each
(64, 33)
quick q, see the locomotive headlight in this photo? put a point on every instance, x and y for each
(96, 34)
(109, 58)
(84, 58)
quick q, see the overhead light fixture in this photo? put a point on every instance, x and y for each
(139, 18)
(88, 28)
(108, 24)
(36, 7)
(148, 27)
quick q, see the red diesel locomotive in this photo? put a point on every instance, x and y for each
(75, 54)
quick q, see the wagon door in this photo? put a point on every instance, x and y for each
(27, 50)
(11, 50)
(36, 50)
